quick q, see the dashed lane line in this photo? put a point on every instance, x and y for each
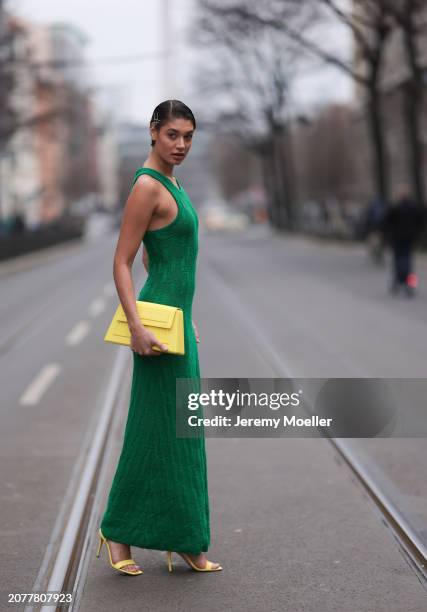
(78, 333)
(40, 384)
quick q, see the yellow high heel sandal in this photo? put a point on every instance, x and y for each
(118, 566)
(209, 567)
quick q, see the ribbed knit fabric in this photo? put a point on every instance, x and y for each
(159, 495)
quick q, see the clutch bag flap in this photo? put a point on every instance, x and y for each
(166, 322)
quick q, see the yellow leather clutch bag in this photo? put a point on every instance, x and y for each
(166, 323)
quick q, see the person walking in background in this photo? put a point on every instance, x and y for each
(402, 226)
(373, 229)
(159, 495)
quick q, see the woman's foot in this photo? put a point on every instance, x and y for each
(199, 560)
(121, 551)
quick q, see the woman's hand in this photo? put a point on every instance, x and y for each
(142, 340)
(196, 331)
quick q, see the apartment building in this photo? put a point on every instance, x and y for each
(51, 159)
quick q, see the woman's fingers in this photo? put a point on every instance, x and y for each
(147, 345)
(155, 353)
(151, 352)
(163, 348)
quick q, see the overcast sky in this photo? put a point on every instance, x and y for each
(129, 28)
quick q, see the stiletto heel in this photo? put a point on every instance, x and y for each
(101, 542)
(120, 564)
(209, 567)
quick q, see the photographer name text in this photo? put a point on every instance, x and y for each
(286, 421)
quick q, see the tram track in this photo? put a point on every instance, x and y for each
(66, 553)
(411, 545)
(69, 570)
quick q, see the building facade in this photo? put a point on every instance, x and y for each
(51, 159)
(395, 77)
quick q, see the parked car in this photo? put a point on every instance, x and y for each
(217, 215)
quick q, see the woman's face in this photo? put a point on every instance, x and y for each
(173, 140)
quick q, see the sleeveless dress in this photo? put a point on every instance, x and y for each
(159, 495)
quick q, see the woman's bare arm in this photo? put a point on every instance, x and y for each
(138, 210)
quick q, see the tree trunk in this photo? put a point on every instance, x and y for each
(287, 162)
(381, 177)
(414, 93)
(279, 193)
(412, 113)
(283, 179)
(279, 183)
(268, 181)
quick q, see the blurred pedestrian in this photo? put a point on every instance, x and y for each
(374, 235)
(402, 225)
(18, 223)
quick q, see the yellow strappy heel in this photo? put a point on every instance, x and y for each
(209, 567)
(120, 564)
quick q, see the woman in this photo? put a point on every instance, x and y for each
(159, 495)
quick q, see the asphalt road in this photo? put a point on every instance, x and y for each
(289, 525)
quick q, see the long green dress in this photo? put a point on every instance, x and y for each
(159, 495)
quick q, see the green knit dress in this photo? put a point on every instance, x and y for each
(159, 495)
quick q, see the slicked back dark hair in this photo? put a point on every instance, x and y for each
(170, 109)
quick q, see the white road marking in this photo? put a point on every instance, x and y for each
(76, 335)
(39, 385)
(97, 307)
(68, 534)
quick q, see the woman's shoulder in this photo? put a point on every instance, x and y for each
(146, 184)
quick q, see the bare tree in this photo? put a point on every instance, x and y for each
(8, 117)
(64, 113)
(332, 173)
(408, 15)
(370, 27)
(252, 73)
